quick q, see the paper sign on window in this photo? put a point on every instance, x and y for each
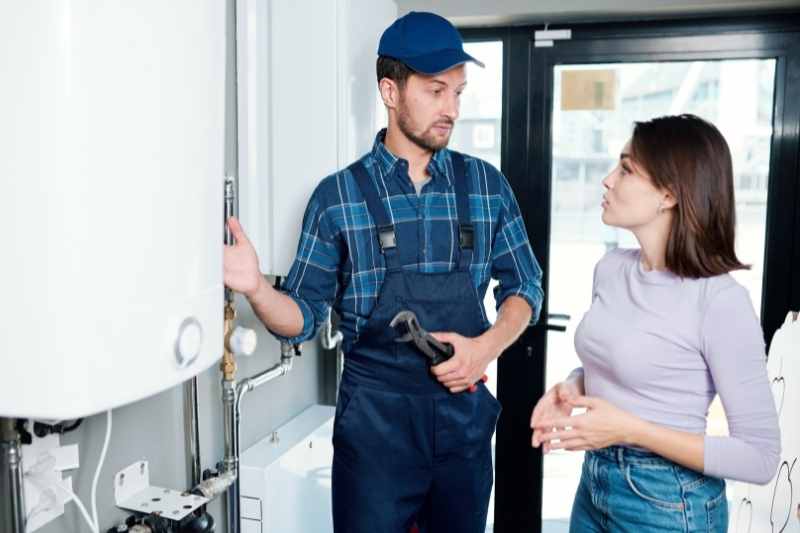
(588, 90)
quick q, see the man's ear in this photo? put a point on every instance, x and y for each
(390, 92)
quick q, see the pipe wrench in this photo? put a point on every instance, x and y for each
(407, 325)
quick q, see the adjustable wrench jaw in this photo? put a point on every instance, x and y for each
(407, 323)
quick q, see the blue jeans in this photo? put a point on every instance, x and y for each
(626, 490)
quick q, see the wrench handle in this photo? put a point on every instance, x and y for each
(443, 351)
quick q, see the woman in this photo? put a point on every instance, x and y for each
(668, 329)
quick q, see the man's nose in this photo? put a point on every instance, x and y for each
(451, 107)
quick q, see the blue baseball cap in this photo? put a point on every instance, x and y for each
(425, 42)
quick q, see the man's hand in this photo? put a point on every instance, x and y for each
(468, 364)
(241, 272)
(554, 404)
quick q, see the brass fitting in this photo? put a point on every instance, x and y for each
(228, 364)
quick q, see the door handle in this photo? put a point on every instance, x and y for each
(556, 316)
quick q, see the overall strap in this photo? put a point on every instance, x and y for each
(387, 239)
(466, 231)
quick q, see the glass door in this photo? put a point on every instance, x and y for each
(567, 110)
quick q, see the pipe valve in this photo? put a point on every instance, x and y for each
(242, 341)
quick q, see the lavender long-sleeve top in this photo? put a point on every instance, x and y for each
(662, 347)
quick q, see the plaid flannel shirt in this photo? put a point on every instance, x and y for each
(339, 261)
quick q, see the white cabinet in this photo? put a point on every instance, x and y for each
(285, 479)
(307, 97)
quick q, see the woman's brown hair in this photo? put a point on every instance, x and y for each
(689, 157)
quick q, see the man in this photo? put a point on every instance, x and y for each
(410, 226)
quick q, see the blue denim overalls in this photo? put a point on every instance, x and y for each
(407, 450)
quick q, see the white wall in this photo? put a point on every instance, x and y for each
(307, 93)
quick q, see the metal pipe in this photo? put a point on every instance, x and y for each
(228, 366)
(231, 210)
(231, 458)
(234, 510)
(192, 431)
(329, 339)
(191, 416)
(232, 396)
(12, 495)
(280, 369)
(230, 463)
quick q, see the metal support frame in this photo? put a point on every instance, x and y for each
(192, 431)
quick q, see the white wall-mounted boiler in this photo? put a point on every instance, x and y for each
(112, 136)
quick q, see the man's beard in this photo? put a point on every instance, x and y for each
(426, 141)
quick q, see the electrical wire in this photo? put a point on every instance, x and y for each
(72, 427)
(41, 430)
(92, 521)
(100, 466)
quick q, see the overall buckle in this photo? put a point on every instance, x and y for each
(387, 237)
(466, 236)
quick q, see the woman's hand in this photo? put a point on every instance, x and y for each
(553, 405)
(600, 426)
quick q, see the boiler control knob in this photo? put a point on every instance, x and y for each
(189, 341)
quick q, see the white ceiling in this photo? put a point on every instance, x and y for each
(503, 12)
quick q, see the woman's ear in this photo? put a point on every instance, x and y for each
(668, 201)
